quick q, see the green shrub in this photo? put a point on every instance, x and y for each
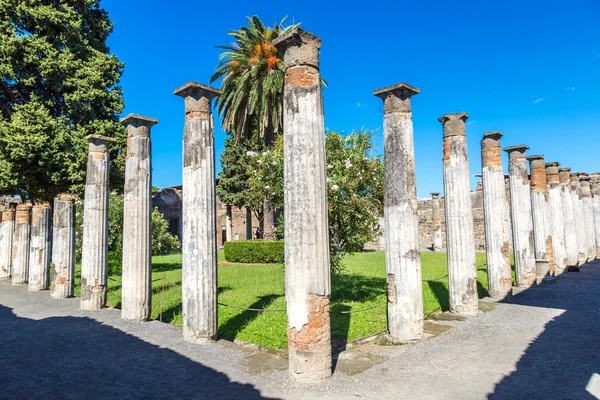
(254, 251)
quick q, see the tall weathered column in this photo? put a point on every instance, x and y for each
(520, 204)
(228, 223)
(199, 247)
(20, 264)
(94, 247)
(63, 247)
(402, 258)
(307, 276)
(579, 219)
(595, 189)
(571, 240)
(40, 247)
(509, 215)
(436, 222)
(136, 295)
(248, 224)
(542, 233)
(588, 216)
(557, 217)
(7, 229)
(460, 239)
(495, 212)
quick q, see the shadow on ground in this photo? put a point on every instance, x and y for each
(78, 358)
(559, 363)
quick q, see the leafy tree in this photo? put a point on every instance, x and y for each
(58, 84)
(355, 189)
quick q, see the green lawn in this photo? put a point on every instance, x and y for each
(361, 286)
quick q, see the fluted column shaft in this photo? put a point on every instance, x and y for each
(20, 266)
(307, 273)
(228, 223)
(7, 230)
(520, 202)
(199, 246)
(460, 239)
(436, 223)
(63, 247)
(136, 303)
(588, 216)
(595, 189)
(403, 261)
(495, 212)
(94, 252)
(542, 233)
(40, 247)
(557, 217)
(571, 242)
(578, 214)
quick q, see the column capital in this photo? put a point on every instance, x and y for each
(552, 164)
(396, 98)
(138, 120)
(99, 143)
(197, 98)
(517, 151)
(300, 48)
(491, 139)
(536, 161)
(66, 197)
(454, 124)
(434, 195)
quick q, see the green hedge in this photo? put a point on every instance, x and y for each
(254, 251)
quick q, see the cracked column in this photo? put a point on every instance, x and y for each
(595, 189)
(7, 229)
(199, 245)
(564, 177)
(39, 247)
(136, 295)
(403, 261)
(557, 217)
(307, 273)
(520, 204)
(63, 247)
(579, 218)
(588, 216)
(542, 234)
(20, 262)
(94, 247)
(437, 223)
(460, 239)
(495, 212)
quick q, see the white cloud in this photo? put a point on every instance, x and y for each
(538, 100)
(358, 104)
(570, 89)
(471, 122)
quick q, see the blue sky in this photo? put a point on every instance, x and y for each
(527, 68)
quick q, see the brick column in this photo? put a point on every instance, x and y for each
(403, 261)
(495, 212)
(199, 241)
(542, 233)
(7, 229)
(588, 216)
(40, 247)
(436, 222)
(579, 218)
(557, 217)
(460, 239)
(20, 262)
(136, 302)
(571, 243)
(307, 279)
(63, 247)
(520, 204)
(94, 252)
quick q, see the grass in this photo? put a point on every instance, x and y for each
(362, 285)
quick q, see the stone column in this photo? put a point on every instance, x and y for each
(403, 261)
(579, 219)
(588, 216)
(509, 215)
(40, 247)
(495, 212)
(460, 239)
(136, 304)
(94, 248)
(542, 233)
(20, 262)
(228, 223)
(557, 217)
(248, 224)
(63, 247)
(520, 204)
(7, 229)
(437, 223)
(571, 245)
(595, 189)
(307, 277)
(199, 247)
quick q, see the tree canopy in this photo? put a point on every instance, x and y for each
(58, 84)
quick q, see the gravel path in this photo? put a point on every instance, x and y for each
(542, 343)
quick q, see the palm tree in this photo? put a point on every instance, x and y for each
(252, 71)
